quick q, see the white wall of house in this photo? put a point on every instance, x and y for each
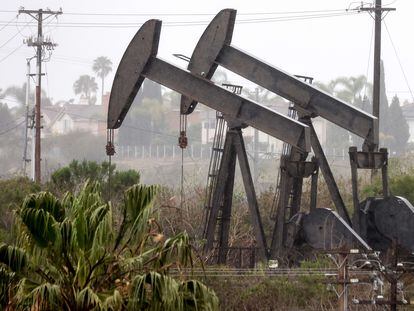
(63, 125)
(411, 130)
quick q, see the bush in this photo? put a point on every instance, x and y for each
(69, 178)
(12, 193)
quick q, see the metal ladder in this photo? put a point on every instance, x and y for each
(286, 150)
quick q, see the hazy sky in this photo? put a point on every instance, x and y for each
(324, 48)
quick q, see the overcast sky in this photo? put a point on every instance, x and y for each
(323, 48)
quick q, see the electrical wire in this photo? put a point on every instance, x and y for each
(369, 58)
(7, 24)
(11, 53)
(196, 14)
(12, 128)
(196, 23)
(14, 36)
(399, 61)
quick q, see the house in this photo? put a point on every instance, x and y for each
(60, 120)
(408, 113)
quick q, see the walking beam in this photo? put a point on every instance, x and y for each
(139, 62)
(214, 49)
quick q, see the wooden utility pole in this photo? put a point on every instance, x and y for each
(39, 42)
(377, 10)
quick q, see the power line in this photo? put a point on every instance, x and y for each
(14, 36)
(7, 24)
(196, 23)
(189, 14)
(11, 53)
(399, 61)
(369, 59)
(12, 128)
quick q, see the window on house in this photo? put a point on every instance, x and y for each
(65, 125)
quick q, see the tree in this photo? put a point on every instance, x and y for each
(11, 144)
(398, 129)
(72, 255)
(146, 118)
(69, 178)
(86, 86)
(336, 137)
(102, 66)
(383, 109)
(12, 193)
(19, 94)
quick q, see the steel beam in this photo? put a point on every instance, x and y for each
(226, 208)
(250, 194)
(328, 176)
(139, 62)
(214, 49)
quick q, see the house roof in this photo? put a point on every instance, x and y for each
(75, 112)
(51, 113)
(84, 112)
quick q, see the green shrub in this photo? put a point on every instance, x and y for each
(12, 193)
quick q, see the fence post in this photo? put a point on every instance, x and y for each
(143, 152)
(173, 151)
(164, 152)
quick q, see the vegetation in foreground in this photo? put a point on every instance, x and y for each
(71, 255)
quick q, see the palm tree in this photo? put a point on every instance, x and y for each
(352, 88)
(102, 66)
(86, 86)
(72, 255)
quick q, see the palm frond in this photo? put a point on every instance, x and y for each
(6, 279)
(176, 249)
(113, 301)
(14, 257)
(41, 225)
(47, 296)
(137, 198)
(45, 201)
(197, 296)
(154, 291)
(87, 299)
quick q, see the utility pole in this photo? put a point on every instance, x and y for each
(40, 43)
(26, 128)
(377, 10)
